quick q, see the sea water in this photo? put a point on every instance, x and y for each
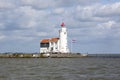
(59, 68)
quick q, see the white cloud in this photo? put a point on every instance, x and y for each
(107, 25)
(41, 4)
(84, 13)
(7, 4)
(40, 34)
(2, 37)
(24, 38)
(2, 26)
(59, 11)
(109, 10)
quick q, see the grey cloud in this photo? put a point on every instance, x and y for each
(109, 10)
(2, 36)
(41, 4)
(9, 4)
(22, 18)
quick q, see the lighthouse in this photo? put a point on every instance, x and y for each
(63, 39)
(56, 44)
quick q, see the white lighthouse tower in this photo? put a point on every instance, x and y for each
(63, 47)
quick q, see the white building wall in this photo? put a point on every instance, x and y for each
(49, 47)
(58, 45)
(55, 46)
(44, 50)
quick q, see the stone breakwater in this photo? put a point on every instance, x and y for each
(43, 55)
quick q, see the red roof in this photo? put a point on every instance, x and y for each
(44, 41)
(54, 39)
(49, 40)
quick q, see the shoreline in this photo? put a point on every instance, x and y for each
(42, 55)
(57, 55)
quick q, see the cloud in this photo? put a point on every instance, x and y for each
(2, 37)
(88, 21)
(58, 11)
(38, 4)
(8, 4)
(22, 18)
(109, 10)
(2, 26)
(41, 4)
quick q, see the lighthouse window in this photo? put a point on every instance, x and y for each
(64, 32)
(44, 45)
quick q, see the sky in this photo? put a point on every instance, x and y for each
(94, 24)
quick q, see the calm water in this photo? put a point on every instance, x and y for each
(59, 68)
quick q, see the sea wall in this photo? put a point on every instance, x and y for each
(42, 55)
(66, 55)
(18, 55)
